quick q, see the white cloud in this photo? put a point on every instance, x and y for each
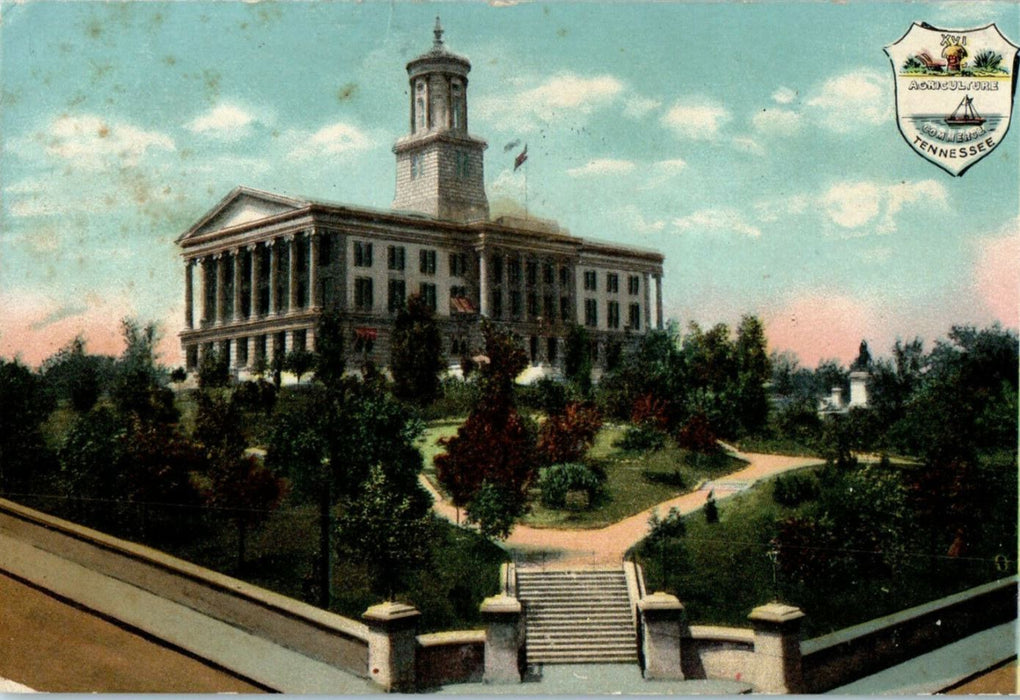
(635, 220)
(559, 98)
(708, 220)
(639, 106)
(774, 209)
(776, 122)
(602, 166)
(90, 142)
(663, 171)
(784, 95)
(336, 139)
(670, 166)
(224, 121)
(854, 205)
(746, 144)
(853, 100)
(696, 120)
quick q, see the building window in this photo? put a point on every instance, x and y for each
(457, 105)
(564, 276)
(532, 304)
(635, 317)
(548, 307)
(612, 282)
(565, 309)
(458, 264)
(496, 267)
(513, 271)
(191, 353)
(395, 255)
(325, 249)
(300, 339)
(551, 348)
(633, 284)
(613, 315)
(533, 349)
(458, 290)
(362, 254)
(515, 304)
(363, 293)
(591, 313)
(531, 273)
(427, 262)
(395, 295)
(419, 105)
(590, 281)
(428, 294)
(417, 166)
(261, 343)
(548, 273)
(462, 164)
(497, 303)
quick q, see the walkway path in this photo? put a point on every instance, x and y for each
(566, 549)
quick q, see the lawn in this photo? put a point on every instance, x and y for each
(721, 571)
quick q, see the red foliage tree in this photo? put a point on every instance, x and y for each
(568, 436)
(697, 435)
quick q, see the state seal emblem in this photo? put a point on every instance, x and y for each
(954, 92)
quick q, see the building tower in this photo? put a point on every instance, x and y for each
(439, 165)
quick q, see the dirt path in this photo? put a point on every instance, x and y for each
(565, 549)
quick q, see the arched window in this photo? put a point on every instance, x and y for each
(457, 105)
(419, 105)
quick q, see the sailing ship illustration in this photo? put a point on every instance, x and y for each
(965, 114)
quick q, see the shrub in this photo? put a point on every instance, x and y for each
(671, 527)
(650, 411)
(793, 489)
(556, 481)
(567, 437)
(638, 438)
(547, 395)
(697, 435)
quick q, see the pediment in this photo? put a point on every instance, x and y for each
(243, 206)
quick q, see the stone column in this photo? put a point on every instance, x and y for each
(483, 284)
(221, 288)
(274, 274)
(292, 274)
(256, 271)
(314, 301)
(238, 274)
(777, 657)
(661, 614)
(310, 339)
(189, 297)
(206, 278)
(392, 645)
(658, 302)
(646, 302)
(502, 615)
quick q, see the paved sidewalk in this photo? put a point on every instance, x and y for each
(565, 549)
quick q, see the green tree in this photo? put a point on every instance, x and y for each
(24, 405)
(387, 527)
(653, 371)
(213, 370)
(299, 362)
(577, 358)
(139, 385)
(73, 375)
(753, 371)
(416, 354)
(330, 360)
(244, 490)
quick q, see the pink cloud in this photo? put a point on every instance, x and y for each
(819, 326)
(996, 276)
(33, 327)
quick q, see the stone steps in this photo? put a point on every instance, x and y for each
(577, 616)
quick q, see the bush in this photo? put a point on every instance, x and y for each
(455, 401)
(671, 527)
(697, 435)
(793, 489)
(546, 395)
(558, 480)
(641, 437)
(567, 437)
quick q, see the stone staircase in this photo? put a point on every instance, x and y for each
(577, 616)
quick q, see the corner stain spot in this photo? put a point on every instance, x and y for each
(170, 60)
(94, 29)
(561, 32)
(347, 91)
(103, 131)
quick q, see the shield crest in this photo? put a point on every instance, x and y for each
(954, 92)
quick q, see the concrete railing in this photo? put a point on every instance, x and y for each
(843, 656)
(337, 641)
(717, 652)
(450, 657)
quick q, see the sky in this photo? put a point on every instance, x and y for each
(754, 145)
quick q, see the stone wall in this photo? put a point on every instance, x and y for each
(450, 657)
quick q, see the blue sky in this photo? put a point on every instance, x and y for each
(755, 145)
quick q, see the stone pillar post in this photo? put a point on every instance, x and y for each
(777, 657)
(238, 274)
(221, 288)
(661, 615)
(502, 614)
(310, 339)
(274, 274)
(189, 296)
(658, 302)
(483, 284)
(256, 271)
(292, 274)
(646, 302)
(392, 645)
(206, 278)
(314, 300)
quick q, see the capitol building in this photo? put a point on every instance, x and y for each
(260, 267)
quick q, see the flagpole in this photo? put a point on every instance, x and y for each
(525, 189)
